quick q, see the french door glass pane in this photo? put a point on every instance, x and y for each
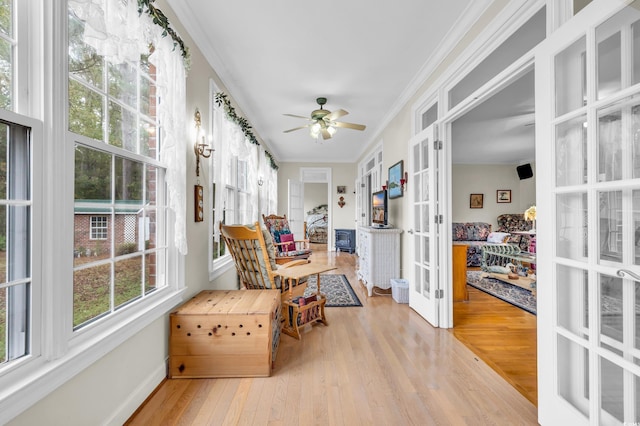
(609, 65)
(418, 274)
(425, 154)
(426, 287)
(573, 300)
(610, 145)
(570, 75)
(425, 251)
(635, 30)
(571, 152)
(610, 228)
(425, 218)
(611, 310)
(425, 186)
(416, 217)
(612, 388)
(636, 226)
(573, 374)
(571, 226)
(416, 158)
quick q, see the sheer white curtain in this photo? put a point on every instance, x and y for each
(116, 30)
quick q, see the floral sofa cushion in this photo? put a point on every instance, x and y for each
(474, 234)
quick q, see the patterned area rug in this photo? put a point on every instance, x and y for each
(515, 295)
(336, 288)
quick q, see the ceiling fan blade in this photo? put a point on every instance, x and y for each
(325, 133)
(297, 128)
(297, 116)
(348, 125)
(336, 114)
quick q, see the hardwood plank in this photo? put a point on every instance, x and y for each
(376, 364)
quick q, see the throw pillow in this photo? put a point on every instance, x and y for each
(287, 238)
(498, 237)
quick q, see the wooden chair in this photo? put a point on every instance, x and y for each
(285, 251)
(253, 253)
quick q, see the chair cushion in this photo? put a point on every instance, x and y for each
(284, 238)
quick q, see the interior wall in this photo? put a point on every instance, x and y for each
(342, 174)
(315, 194)
(487, 180)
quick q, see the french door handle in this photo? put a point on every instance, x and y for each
(410, 231)
(623, 272)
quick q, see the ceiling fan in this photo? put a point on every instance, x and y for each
(323, 122)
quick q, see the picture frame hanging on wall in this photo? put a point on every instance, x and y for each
(395, 174)
(476, 201)
(503, 196)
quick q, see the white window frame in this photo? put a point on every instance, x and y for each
(57, 354)
(101, 228)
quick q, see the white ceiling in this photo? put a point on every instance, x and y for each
(278, 56)
(500, 130)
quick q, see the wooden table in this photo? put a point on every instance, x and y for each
(295, 314)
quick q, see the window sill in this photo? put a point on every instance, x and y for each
(43, 377)
(220, 267)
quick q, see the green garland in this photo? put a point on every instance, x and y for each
(222, 99)
(160, 19)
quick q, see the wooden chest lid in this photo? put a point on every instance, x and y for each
(235, 302)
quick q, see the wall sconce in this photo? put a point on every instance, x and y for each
(403, 182)
(200, 149)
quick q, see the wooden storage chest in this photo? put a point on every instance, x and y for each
(225, 333)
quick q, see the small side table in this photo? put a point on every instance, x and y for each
(296, 315)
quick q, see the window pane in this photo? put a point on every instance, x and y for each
(128, 285)
(149, 225)
(147, 96)
(122, 128)
(6, 74)
(128, 180)
(430, 116)
(86, 111)
(84, 63)
(122, 83)
(6, 17)
(3, 322)
(18, 242)
(148, 140)
(92, 174)
(4, 137)
(151, 191)
(91, 293)
(14, 320)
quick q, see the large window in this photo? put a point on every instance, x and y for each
(112, 114)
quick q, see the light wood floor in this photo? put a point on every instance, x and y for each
(376, 364)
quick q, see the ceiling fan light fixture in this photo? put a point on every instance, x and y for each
(331, 130)
(314, 130)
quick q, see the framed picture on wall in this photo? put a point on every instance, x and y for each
(342, 189)
(476, 201)
(503, 196)
(395, 174)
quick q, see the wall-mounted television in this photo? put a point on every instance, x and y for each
(379, 208)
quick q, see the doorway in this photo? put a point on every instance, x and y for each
(490, 145)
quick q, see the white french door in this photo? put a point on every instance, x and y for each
(588, 194)
(424, 288)
(296, 208)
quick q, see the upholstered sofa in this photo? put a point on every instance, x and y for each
(514, 222)
(474, 235)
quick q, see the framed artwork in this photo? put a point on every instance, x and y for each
(503, 196)
(342, 189)
(476, 201)
(395, 174)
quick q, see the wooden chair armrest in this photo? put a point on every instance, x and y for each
(295, 263)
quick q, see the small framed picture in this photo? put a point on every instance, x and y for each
(476, 201)
(503, 196)
(396, 173)
(342, 189)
